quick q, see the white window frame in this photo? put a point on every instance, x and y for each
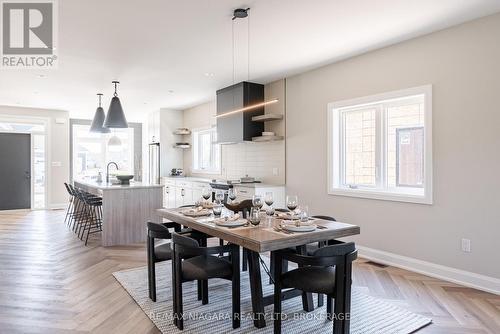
(214, 169)
(405, 194)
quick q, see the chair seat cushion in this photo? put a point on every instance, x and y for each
(205, 267)
(163, 252)
(310, 279)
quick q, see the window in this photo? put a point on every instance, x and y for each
(381, 146)
(206, 153)
(91, 152)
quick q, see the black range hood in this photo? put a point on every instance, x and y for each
(235, 109)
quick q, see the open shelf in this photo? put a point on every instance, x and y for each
(182, 146)
(267, 138)
(182, 132)
(267, 117)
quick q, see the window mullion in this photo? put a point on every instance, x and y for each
(379, 152)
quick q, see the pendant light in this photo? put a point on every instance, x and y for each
(98, 120)
(114, 141)
(115, 117)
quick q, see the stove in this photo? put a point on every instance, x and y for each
(227, 184)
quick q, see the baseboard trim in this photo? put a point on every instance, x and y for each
(458, 276)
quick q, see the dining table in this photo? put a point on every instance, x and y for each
(264, 237)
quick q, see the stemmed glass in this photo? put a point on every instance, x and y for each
(269, 201)
(254, 217)
(291, 203)
(206, 193)
(257, 201)
(231, 194)
(217, 209)
(219, 196)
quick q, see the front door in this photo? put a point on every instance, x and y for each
(15, 171)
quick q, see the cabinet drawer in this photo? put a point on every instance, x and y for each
(244, 191)
(168, 182)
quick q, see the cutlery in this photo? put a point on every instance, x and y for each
(321, 227)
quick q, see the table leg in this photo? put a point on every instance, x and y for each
(256, 289)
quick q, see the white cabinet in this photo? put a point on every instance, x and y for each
(179, 192)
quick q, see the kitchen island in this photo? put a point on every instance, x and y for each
(126, 209)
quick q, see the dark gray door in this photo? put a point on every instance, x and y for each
(15, 171)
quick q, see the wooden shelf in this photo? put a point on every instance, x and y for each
(182, 146)
(267, 138)
(267, 117)
(182, 132)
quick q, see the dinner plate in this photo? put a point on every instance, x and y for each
(200, 213)
(283, 215)
(231, 223)
(301, 228)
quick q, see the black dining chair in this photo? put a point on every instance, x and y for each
(163, 252)
(194, 262)
(328, 271)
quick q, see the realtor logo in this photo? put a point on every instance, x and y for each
(28, 34)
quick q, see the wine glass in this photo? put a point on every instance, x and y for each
(269, 198)
(231, 194)
(219, 196)
(257, 201)
(291, 203)
(217, 209)
(206, 193)
(254, 217)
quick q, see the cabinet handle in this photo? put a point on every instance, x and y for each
(167, 190)
(243, 191)
(182, 192)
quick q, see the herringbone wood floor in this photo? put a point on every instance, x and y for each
(51, 283)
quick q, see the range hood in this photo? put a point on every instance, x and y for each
(236, 105)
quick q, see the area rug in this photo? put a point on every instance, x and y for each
(369, 315)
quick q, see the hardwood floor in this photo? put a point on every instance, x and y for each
(51, 283)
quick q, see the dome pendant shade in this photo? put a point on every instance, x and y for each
(115, 117)
(114, 141)
(98, 121)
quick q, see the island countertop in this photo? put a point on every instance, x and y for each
(125, 209)
(110, 186)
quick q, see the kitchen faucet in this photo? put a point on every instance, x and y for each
(107, 170)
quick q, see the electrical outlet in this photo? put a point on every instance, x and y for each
(276, 171)
(466, 245)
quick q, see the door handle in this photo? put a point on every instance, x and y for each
(27, 175)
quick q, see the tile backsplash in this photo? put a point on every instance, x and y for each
(264, 161)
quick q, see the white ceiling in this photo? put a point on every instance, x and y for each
(160, 50)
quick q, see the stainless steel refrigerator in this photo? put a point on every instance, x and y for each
(154, 163)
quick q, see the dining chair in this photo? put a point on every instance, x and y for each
(328, 271)
(194, 262)
(162, 252)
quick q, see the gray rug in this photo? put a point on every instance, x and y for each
(368, 314)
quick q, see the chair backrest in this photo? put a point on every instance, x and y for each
(158, 231)
(67, 189)
(325, 218)
(340, 249)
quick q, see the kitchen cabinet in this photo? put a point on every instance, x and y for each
(179, 192)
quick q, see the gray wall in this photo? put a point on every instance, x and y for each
(463, 65)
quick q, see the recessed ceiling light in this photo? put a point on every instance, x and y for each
(145, 103)
(209, 74)
(41, 76)
(35, 92)
(170, 91)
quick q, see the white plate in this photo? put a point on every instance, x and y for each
(284, 215)
(231, 223)
(302, 228)
(200, 213)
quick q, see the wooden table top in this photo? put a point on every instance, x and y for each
(263, 237)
